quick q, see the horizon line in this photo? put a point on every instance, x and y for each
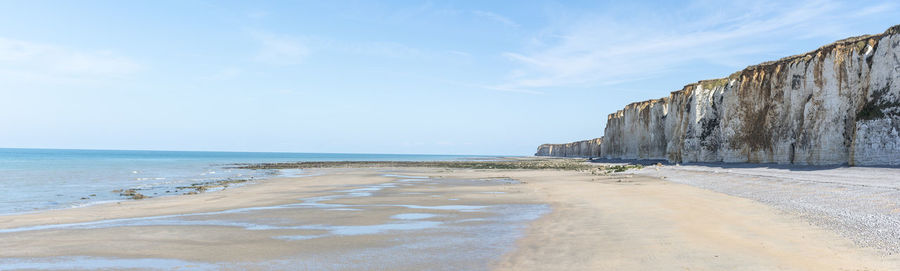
(285, 152)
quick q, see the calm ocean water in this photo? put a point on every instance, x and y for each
(38, 179)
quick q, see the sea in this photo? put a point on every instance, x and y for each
(41, 179)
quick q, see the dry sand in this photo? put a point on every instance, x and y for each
(644, 223)
(620, 222)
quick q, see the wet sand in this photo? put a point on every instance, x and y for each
(433, 218)
(339, 219)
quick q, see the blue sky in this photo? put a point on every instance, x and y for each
(444, 77)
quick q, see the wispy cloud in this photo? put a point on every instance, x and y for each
(495, 17)
(511, 89)
(283, 49)
(377, 48)
(459, 53)
(875, 9)
(280, 49)
(43, 61)
(609, 49)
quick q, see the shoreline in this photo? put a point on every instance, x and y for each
(599, 219)
(42, 179)
(512, 162)
(204, 187)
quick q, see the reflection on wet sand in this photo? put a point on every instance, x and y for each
(376, 221)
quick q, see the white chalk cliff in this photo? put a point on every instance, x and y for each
(839, 104)
(584, 148)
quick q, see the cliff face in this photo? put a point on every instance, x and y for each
(584, 148)
(638, 131)
(838, 104)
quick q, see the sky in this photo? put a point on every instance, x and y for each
(418, 77)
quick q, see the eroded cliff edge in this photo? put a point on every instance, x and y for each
(839, 104)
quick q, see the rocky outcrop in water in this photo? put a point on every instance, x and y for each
(839, 104)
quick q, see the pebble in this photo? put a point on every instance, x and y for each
(862, 204)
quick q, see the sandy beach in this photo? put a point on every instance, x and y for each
(444, 219)
(450, 135)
